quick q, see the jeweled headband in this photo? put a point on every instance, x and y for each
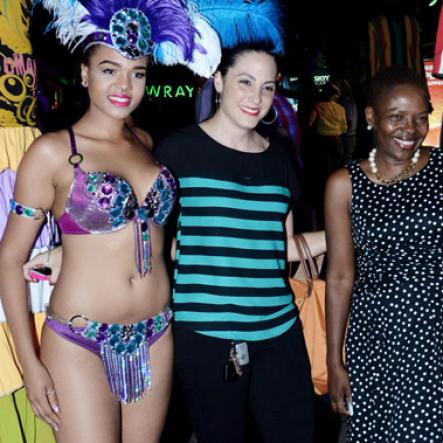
(129, 32)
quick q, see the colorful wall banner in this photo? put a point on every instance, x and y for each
(17, 66)
(438, 53)
(394, 42)
(435, 86)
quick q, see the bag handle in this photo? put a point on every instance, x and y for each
(302, 258)
(309, 265)
(312, 264)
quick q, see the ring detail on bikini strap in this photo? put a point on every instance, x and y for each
(75, 159)
(72, 326)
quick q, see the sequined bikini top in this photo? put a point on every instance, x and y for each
(101, 203)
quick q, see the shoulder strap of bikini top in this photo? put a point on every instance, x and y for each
(75, 158)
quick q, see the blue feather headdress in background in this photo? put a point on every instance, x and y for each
(244, 21)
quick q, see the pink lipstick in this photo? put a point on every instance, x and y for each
(120, 100)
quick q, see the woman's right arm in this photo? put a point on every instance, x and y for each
(339, 283)
(52, 259)
(34, 188)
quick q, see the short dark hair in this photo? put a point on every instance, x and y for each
(231, 55)
(391, 77)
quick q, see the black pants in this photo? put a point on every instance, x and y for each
(275, 388)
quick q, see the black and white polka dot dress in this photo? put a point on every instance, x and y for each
(395, 336)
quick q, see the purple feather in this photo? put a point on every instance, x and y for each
(169, 19)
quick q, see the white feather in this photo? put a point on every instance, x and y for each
(168, 54)
(71, 29)
(203, 64)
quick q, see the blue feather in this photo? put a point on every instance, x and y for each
(243, 21)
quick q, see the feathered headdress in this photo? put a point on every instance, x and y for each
(244, 21)
(226, 23)
(207, 51)
(134, 28)
(172, 31)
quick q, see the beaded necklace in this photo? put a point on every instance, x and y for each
(401, 176)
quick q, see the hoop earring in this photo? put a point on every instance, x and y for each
(273, 119)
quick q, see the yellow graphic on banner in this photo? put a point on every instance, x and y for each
(14, 25)
(17, 95)
(17, 66)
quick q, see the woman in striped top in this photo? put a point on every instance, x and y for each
(239, 349)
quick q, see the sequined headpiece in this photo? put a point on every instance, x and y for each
(129, 32)
(134, 28)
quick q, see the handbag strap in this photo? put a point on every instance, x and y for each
(312, 264)
(301, 256)
(307, 262)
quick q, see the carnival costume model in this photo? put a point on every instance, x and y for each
(101, 202)
(171, 34)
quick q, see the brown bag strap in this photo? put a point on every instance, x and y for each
(301, 255)
(312, 264)
(306, 261)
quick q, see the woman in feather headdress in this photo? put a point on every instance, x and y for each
(104, 370)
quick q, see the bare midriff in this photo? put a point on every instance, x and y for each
(98, 278)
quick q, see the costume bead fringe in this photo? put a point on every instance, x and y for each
(143, 248)
(129, 375)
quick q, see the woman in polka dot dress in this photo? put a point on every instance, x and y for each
(384, 221)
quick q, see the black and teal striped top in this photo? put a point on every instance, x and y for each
(230, 279)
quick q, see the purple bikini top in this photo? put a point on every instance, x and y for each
(101, 203)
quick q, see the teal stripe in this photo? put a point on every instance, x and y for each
(230, 222)
(233, 203)
(198, 182)
(251, 335)
(237, 300)
(228, 316)
(231, 262)
(232, 242)
(238, 282)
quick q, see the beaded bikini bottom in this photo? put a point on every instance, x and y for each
(123, 348)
